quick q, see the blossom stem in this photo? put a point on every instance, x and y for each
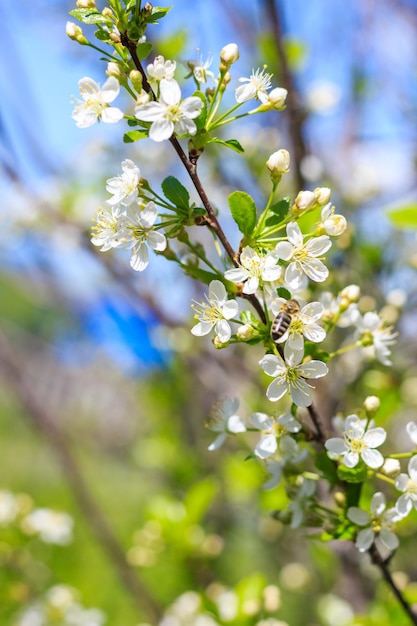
(215, 103)
(203, 258)
(344, 349)
(221, 120)
(321, 435)
(386, 479)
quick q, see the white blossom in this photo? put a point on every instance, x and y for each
(380, 523)
(229, 54)
(290, 376)
(332, 223)
(94, 105)
(303, 256)
(301, 502)
(161, 69)
(224, 420)
(254, 270)
(52, 526)
(303, 324)
(215, 312)
(200, 69)
(256, 86)
(407, 483)
(274, 429)
(107, 231)
(170, 114)
(357, 443)
(124, 188)
(139, 232)
(371, 331)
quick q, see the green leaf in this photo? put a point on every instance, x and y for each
(243, 210)
(134, 135)
(404, 217)
(175, 192)
(356, 474)
(327, 468)
(87, 16)
(157, 14)
(198, 274)
(143, 50)
(278, 212)
(200, 121)
(283, 293)
(353, 493)
(233, 144)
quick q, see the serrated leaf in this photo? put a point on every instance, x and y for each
(143, 50)
(404, 217)
(157, 14)
(87, 16)
(243, 210)
(175, 192)
(356, 474)
(233, 144)
(134, 135)
(278, 212)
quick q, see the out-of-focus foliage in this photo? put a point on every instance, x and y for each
(196, 527)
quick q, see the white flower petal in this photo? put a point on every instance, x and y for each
(236, 275)
(161, 130)
(351, 459)
(140, 258)
(230, 309)
(284, 250)
(358, 516)
(373, 458)
(294, 234)
(217, 291)
(202, 328)
(301, 393)
(266, 446)
(336, 446)
(388, 538)
(235, 424)
(272, 365)
(276, 389)
(313, 369)
(411, 429)
(111, 115)
(157, 241)
(365, 539)
(375, 437)
(223, 330)
(110, 89)
(170, 92)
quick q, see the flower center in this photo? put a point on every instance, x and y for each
(173, 113)
(354, 445)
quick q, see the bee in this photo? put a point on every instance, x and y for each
(283, 319)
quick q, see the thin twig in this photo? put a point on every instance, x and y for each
(191, 167)
(293, 109)
(99, 525)
(383, 567)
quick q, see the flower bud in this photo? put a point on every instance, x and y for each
(136, 79)
(371, 405)
(142, 98)
(245, 332)
(322, 195)
(228, 55)
(278, 164)
(351, 293)
(75, 33)
(304, 201)
(107, 12)
(114, 69)
(391, 468)
(277, 98)
(86, 4)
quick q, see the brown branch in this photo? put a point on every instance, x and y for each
(99, 525)
(382, 565)
(293, 109)
(191, 167)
